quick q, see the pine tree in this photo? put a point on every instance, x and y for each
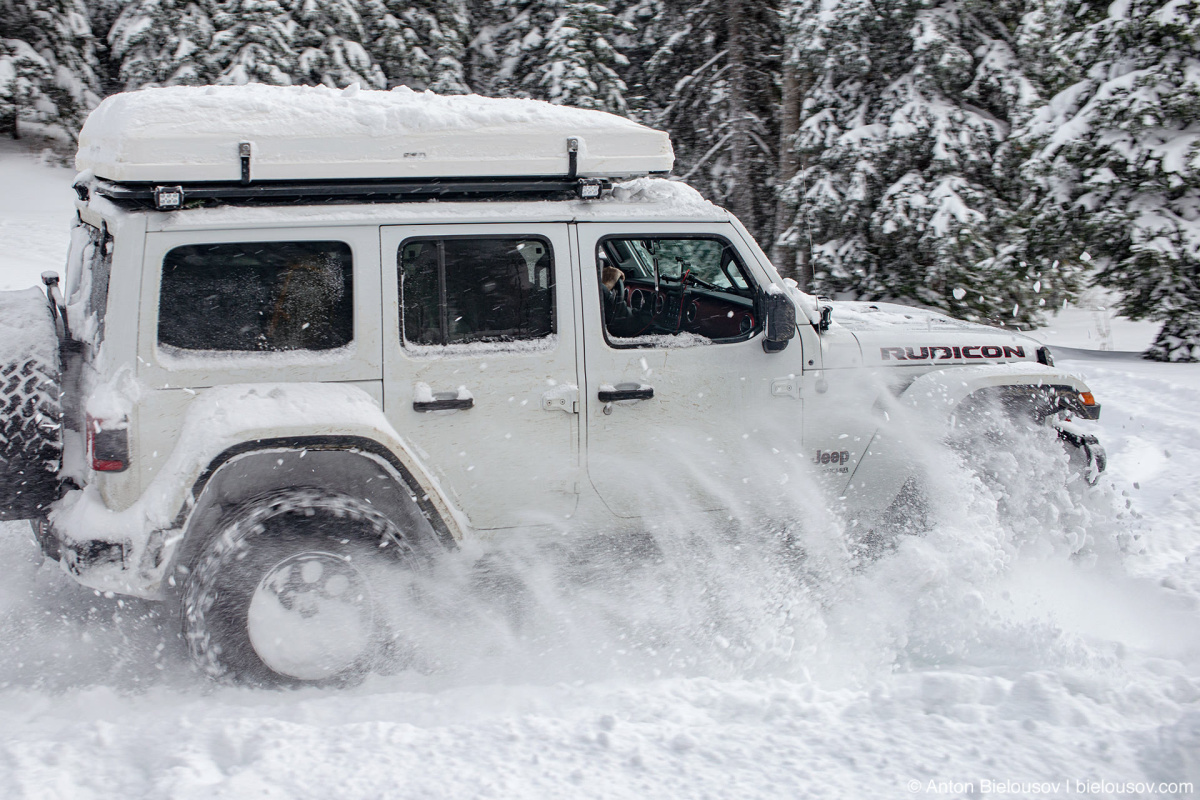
(1117, 155)
(102, 14)
(47, 65)
(331, 37)
(420, 44)
(908, 188)
(508, 43)
(23, 76)
(644, 27)
(563, 51)
(162, 43)
(252, 43)
(711, 83)
(578, 65)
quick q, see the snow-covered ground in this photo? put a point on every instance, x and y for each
(1036, 642)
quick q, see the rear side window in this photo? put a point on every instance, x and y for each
(462, 290)
(257, 296)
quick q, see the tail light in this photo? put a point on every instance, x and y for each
(108, 444)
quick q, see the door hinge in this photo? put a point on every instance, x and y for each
(786, 387)
(562, 398)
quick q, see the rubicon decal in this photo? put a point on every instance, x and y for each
(942, 352)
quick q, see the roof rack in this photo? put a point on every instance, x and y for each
(172, 197)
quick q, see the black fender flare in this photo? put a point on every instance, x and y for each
(351, 465)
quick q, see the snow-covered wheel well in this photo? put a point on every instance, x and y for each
(1029, 388)
(1036, 403)
(335, 465)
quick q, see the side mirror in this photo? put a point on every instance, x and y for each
(825, 309)
(781, 322)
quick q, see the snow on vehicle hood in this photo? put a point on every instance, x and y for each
(900, 336)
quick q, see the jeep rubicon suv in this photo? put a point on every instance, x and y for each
(299, 326)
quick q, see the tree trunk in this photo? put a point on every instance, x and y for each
(784, 253)
(740, 189)
(8, 121)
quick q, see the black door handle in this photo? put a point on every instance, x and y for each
(612, 395)
(449, 404)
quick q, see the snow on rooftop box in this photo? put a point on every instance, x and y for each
(193, 134)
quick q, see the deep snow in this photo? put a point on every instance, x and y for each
(1040, 636)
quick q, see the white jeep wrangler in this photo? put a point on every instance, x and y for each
(300, 325)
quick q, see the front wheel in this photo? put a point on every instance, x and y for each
(1085, 451)
(288, 591)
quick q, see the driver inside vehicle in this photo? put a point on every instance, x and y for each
(619, 318)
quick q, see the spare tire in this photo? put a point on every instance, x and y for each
(30, 406)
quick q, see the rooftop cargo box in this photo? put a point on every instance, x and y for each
(299, 133)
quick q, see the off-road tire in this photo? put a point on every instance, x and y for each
(30, 413)
(256, 538)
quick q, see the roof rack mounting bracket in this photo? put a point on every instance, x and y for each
(173, 197)
(244, 149)
(572, 158)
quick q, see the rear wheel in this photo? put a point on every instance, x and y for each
(290, 591)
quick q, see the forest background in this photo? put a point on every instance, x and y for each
(988, 158)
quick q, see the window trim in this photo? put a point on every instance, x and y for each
(447, 347)
(619, 343)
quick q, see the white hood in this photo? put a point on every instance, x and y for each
(892, 335)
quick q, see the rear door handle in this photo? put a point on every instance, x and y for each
(448, 404)
(612, 395)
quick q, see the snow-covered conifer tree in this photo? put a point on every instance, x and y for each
(578, 63)
(102, 14)
(47, 65)
(162, 43)
(511, 36)
(421, 44)
(23, 75)
(711, 82)
(252, 43)
(908, 188)
(563, 51)
(1118, 154)
(330, 40)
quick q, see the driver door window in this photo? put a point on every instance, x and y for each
(695, 289)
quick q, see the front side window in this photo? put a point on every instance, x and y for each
(462, 290)
(257, 297)
(653, 286)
